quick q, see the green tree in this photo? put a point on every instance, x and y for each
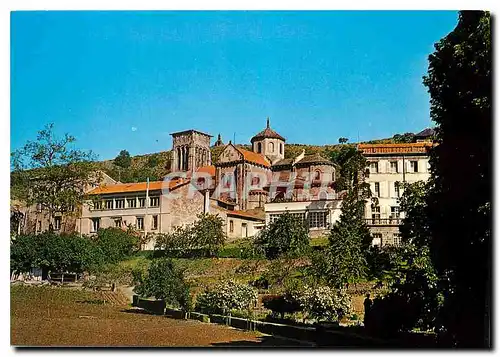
(54, 252)
(51, 173)
(286, 235)
(415, 226)
(343, 140)
(403, 138)
(459, 82)
(415, 296)
(344, 260)
(207, 232)
(153, 161)
(165, 281)
(116, 244)
(123, 159)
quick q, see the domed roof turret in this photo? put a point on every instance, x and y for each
(267, 133)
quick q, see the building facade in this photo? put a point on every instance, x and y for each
(389, 165)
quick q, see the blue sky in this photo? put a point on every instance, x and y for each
(126, 80)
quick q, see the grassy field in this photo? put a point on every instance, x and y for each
(55, 316)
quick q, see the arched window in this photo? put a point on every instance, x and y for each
(317, 175)
(259, 148)
(271, 147)
(333, 176)
(201, 181)
(323, 195)
(281, 148)
(255, 180)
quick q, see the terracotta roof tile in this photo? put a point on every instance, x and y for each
(209, 169)
(260, 215)
(315, 159)
(135, 187)
(253, 157)
(394, 148)
(267, 133)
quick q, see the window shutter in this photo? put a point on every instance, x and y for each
(387, 166)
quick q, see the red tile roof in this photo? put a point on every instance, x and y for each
(258, 215)
(135, 187)
(394, 148)
(254, 157)
(267, 133)
(210, 169)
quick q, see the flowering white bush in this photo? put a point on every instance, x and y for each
(226, 296)
(325, 303)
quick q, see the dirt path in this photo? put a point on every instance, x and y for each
(57, 317)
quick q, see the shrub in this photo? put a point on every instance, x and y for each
(205, 237)
(281, 304)
(287, 235)
(165, 281)
(54, 252)
(324, 303)
(261, 283)
(226, 296)
(116, 244)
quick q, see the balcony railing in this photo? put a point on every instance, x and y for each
(383, 221)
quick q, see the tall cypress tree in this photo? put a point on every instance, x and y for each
(459, 201)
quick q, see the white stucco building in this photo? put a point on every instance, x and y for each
(389, 165)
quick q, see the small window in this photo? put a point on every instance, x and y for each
(131, 202)
(333, 176)
(281, 148)
(374, 167)
(317, 175)
(140, 223)
(394, 166)
(396, 189)
(120, 203)
(109, 204)
(244, 230)
(255, 180)
(142, 202)
(377, 189)
(154, 201)
(317, 219)
(259, 148)
(96, 223)
(118, 222)
(57, 223)
(395, 212)
(231, 226)
(154, 222)
(271, 147)
(200, 181)
(414, 166)
(396, 238)
(39, 226)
